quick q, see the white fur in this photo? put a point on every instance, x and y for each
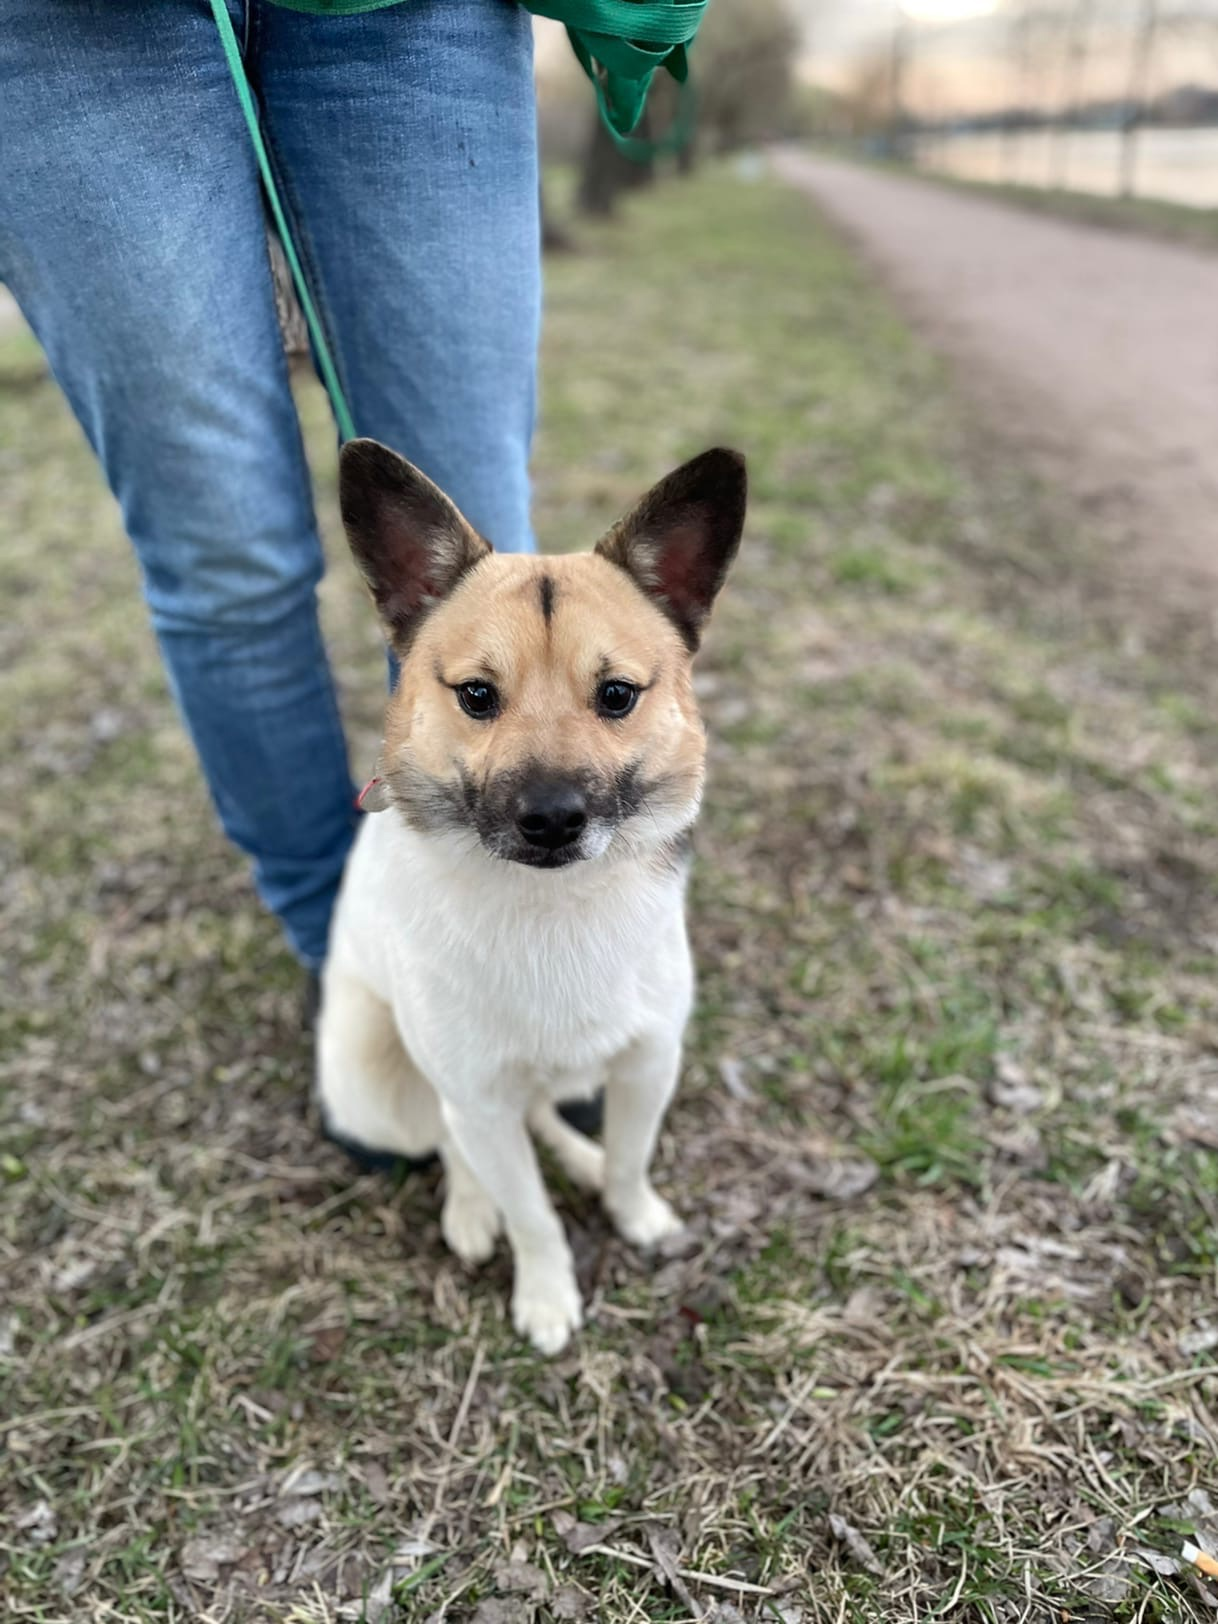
(464, 995)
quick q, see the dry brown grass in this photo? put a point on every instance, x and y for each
(941, 1343)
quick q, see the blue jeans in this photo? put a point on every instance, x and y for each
(131, 234)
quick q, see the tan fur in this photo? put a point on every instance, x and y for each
(492, 628)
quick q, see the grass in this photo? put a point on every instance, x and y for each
(940, 1345)
(1152, 216)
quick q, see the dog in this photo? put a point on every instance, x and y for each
(510, 932)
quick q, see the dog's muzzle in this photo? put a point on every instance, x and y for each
(552, 815)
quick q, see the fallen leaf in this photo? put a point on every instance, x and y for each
(521, 1578)
(202, 1558)
(1101, 1536)
(70, 1571)
(1110, 1586)
(864, 1305)
(307, 1483)
(73, 1274)
(1204, 1592)
(984, 877)
(1196, 1124)
(1155, 1560)
(854, 1542)
(838, 1178)
(568, 1603)
(665, 1553)
(732, 1073)
(379, 1605)
(492, 1611)
(299, 1513)
(583, 1535)
(39, 1523)
(327, 1343)
(1010, 1088)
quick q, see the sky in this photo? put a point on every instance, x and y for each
(960, 52)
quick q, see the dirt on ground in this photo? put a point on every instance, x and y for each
(941, 1340)
(1096, 354)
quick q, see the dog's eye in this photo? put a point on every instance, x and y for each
(478, 699)
(616, 698)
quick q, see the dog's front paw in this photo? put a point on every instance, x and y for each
(644, 1218)
(470, 1224)
(546, 1307)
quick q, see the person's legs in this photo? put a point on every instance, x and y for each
(405, 139)
(131, 233)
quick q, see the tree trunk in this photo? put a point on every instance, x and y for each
(1139, 89)
(555, 239)
(606, 172)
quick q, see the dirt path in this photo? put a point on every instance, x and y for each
(1099, 351)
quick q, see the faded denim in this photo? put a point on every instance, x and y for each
(131, 234)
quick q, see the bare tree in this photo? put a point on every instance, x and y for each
(1077, 27)
(867, 100)
(555, 238)
(898, 73)
(1139, 89)
(607, 172)
(743, 62)
(1019, 44)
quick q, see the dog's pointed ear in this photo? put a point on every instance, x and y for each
(411, 543)
(678, 543)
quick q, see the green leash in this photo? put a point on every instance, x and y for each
(325, 361)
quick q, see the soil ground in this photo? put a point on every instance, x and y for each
(942, 1341)
(1094, 353)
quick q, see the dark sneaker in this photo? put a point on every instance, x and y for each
(369, 1160)
(585, 1116)
(310, 1003)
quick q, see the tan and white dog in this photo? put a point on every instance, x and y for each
(511, 933)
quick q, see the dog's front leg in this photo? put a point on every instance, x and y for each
(641, 1082)
(545, 1297)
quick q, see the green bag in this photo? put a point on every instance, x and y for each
(621, 44)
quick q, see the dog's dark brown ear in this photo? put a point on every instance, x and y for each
(410, 542)
(678, 543)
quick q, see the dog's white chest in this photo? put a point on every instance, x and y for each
(490, 963)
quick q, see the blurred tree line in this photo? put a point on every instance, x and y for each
(744, 91)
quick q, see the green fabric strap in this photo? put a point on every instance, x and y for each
(620, 45)
(325, 362)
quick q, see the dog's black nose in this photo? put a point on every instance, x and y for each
(552, 815)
